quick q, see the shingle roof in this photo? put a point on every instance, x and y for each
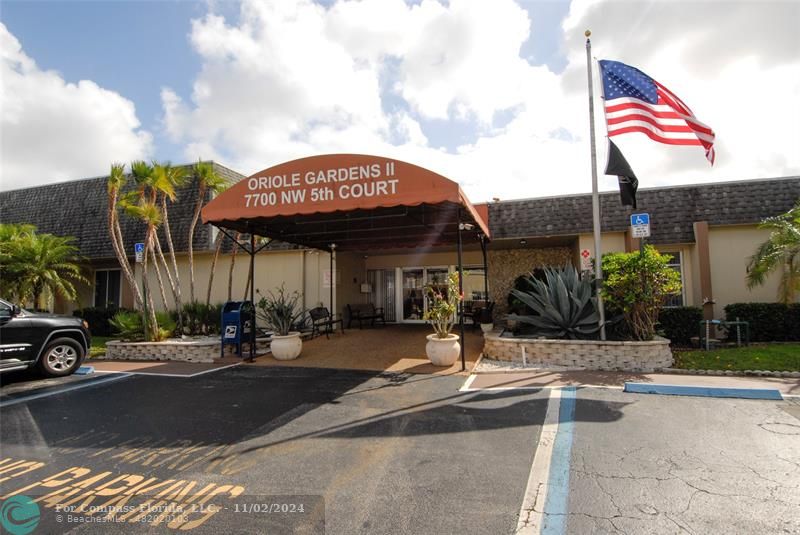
(672, 210)
(79, 208)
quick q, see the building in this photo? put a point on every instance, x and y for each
(710, 230)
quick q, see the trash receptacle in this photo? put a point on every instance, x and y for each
(237, 326)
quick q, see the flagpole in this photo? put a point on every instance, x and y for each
(598, 256)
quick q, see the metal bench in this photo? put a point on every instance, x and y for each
(362, 312)
(320, 317)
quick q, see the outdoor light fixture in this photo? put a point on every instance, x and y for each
(466, 226)
(523, 241)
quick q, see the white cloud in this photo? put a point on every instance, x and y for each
(291, 79)
(51, 130)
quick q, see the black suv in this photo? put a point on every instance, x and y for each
(56, 344)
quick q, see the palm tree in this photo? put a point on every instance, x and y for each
(167, 179)
(147, 210)
(780, 250)
(207, 179)
(40, 263)
(11, 236)
(217, 248)
(116, 181)
(235, 250)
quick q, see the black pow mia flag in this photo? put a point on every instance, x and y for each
(628, 183)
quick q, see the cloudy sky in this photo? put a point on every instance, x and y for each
(492, 94)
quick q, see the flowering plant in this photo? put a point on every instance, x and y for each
(442, 305)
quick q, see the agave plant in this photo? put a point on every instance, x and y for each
(563, 305)
(280, 310)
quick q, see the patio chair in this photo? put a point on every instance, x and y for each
(320, 317)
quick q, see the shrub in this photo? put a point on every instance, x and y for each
(769, 322)
(98, 319)
(166, 326)
(636, 284)
(680, 324)
(200, 319)
(563, 306)
(128, 325)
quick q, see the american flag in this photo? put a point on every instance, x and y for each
(635, 102)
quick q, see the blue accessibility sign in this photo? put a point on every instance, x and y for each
(138, 248)
(640, 219)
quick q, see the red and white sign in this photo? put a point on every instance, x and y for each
(586, 260)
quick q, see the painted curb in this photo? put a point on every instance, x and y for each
(703, 391)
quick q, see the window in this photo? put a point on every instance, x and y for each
(675, 300)
(107, 288)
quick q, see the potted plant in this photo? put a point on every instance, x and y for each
(280, 311)
(443, 348)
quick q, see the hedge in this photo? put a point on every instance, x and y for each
(98, 319)
(680, 324)
(769, 322)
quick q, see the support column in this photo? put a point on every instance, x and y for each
(461, 293)
(704, 263)
(253, 294)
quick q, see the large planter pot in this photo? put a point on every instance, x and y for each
(443, 351)
(286, 347)
(487, 327)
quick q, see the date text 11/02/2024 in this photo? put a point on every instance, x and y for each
(370, 181)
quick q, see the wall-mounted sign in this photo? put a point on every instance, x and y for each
(322, 185)
(586, 260)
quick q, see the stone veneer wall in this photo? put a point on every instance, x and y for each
(581, 354)
(185, 350)
(505, 265)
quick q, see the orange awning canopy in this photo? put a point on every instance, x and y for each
(356, 201)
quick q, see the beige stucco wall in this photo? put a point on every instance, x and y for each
(271, 270)
(505, 265)
(729, 251)
(609, 241)
(351, 274)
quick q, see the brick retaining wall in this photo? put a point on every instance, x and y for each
(582, 354)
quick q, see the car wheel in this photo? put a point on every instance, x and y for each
(61, 357)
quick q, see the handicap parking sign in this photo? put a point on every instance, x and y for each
(640, 223)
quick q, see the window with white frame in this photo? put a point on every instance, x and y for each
(675, 300)
(107, 288)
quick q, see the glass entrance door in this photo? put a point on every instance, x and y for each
(415, 302)
(413, 284)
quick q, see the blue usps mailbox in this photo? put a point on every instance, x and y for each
(237, 326)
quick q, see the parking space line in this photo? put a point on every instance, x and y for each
(64, 390)
(175, 374)
(556, 503)
(468, 383)
(530, 517)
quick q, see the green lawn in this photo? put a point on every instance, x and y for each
(772, 357)
(99, 345)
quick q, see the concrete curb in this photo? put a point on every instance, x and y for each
(733, 373)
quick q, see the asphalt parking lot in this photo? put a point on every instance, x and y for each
(289, 450)
(359, 452)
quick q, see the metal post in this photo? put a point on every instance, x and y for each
(598, 257)
(333, 252)
(485, 270)
(253, 294)
(461, 293)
